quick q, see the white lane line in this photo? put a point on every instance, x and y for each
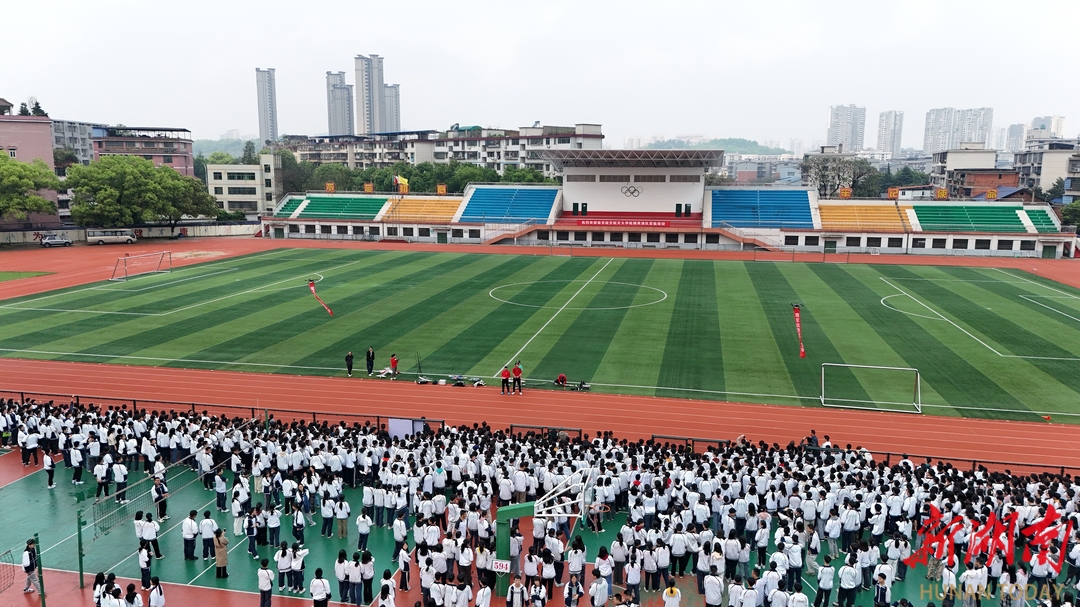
(553, 316)
(167, 360)
(242, 542)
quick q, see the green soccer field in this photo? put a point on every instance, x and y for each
(986, 342)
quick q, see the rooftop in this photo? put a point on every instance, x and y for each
(634, 158)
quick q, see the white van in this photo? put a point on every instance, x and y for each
(110, 236)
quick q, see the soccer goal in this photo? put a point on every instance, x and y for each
(131, 266)
(896, 389)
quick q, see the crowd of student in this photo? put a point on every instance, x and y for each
(751, 522)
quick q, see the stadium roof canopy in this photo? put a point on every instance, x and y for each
(633, 158)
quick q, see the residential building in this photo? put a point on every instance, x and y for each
(890, 129)
(847, 124)
(369, 94)
(1042, 167)
(5, 107)
(974, 125)
(968, 183)
(29, 138)
(946, 128)
(339, 105)
(1053, 125)
(391, 108)
(496, 149)
(797, 148)
(968, 156)
(75, 136)
(251, 188)
(267, 90)
(161, 145)
(1072, 180)
(1015, 137)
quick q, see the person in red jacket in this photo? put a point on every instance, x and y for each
(506, 380)
(517, 377)
(393, 365)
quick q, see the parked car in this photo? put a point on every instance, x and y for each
(55, 240)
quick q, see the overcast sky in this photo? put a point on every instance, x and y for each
(759, 70)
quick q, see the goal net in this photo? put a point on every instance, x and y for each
(130, 266)
(897, 389)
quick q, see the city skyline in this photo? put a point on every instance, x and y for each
(449, 82)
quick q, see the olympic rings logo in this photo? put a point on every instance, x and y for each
(630, 190)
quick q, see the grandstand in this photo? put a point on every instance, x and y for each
(340, 207)
(761, 208)
(864, 217)
(969, 218)
(499, 204)
(423, 210)
(1043, 220)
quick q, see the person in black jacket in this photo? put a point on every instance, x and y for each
(370, 360)
(348, 363)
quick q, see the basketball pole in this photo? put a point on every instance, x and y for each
(503, 516)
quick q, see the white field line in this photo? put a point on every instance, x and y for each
(1050, 308)
(165, 284)
(192, 306)
(968, 333)
(553, 316)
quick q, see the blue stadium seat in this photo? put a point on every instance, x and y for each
(746, 208)
(498, 205)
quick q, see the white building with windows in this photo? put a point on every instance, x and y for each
(250, 188)
(847, 124)
(75, 136)
(496, 149)
(266, 88)
(339, 105)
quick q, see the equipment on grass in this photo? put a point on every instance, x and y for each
(130, 266)
(896, 384)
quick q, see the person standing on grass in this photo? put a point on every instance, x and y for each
(266, 583)
(505, 374)
(370, 356)
(348, 363)
(517, 377)
(393, 366)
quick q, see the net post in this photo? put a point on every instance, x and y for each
(78, 534)
(40, 569)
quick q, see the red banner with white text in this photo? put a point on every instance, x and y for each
(798, 329)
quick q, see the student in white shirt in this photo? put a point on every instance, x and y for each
(266, 583)
(320, 589)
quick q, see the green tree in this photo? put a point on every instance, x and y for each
(19, 186)
(200, 167)
(116, 192)
(35, 109)
(183, 197)
(294, 175)
(23, 110)
(1056, 191)
(526, 175)
(63, 158)
(220, 158)
(1070, 214)
(339, 174)
(249, 156)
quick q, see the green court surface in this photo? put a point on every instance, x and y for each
(30, 508)
(17, 275)
(986, 342)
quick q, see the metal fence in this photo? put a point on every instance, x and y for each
(525, 430)
(267, 414)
